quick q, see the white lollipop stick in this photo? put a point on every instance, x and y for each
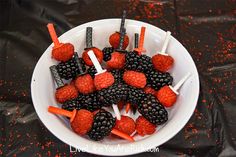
(95, 62)
(164, 47)
(117, 112)
(99, 71)
(180, 83)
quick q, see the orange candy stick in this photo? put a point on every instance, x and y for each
(140, 48)
(53, 35)
(122, 135)
(70, 114)
(127, 108)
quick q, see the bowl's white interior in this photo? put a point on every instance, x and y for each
(43, 88)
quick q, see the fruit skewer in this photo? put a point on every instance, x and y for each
(60, 51)
(63, 92)
(103, 79)
(117, 60)
(83, 122)
(167, 95)
(114, 39)
(162, 61)
(89, 46)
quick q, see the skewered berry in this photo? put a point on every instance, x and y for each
(152, 110)
(117, 61)
(72, 104)
(135, 95)
(83, 122)
(90, 101)
(135, 79)
(85, 84)
(65, 93)
(158, 79)
(70, 69)
(125, 124)
(113, 94)
(144, 127)
(102, 125)
(103, 80)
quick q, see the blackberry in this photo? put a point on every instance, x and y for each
(107, 51)
(89, 101)
(102, 125)
(158, 79)
(72, 104)
(145, 63)
(135, 62)
(69, 69)
(135, 95)
(118, 75)
(131, 61)
(113, 94)
(153, 110)
(92, 71)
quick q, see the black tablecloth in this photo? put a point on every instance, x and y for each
(207, 28)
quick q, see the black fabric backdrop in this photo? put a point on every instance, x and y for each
(207, 28)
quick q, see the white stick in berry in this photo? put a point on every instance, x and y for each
(167, 95)
(103, 79)
(162, 61)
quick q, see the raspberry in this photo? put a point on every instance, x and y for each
(144, 127)
(83, 122)
(166, 96)
(114, 40)
(149, 90)
(117, 60)
(103, 80)
(125, 124)
(135, 79)
(65, 93)
(162, 62)
(98, 53)
(85, 84)
(63, 53)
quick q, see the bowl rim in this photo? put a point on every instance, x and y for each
(179, 127)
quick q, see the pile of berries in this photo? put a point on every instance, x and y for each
(132, 79)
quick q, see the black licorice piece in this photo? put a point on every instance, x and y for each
(89, 42)
(56, 76)
(122, 36)
(136, 37)
(122, 24)
(82, 71)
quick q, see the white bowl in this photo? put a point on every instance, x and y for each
(43, 88)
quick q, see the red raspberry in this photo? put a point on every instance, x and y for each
(125, 124)
(166, 96)
(63, 53)
(98, 53)
(114, 40)
(85, 84)
(135, 79)
(117, 61)
(82, 122)
(144, 127)
(149, 90)
(66, 93)
(162, 62)
(103, 80)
